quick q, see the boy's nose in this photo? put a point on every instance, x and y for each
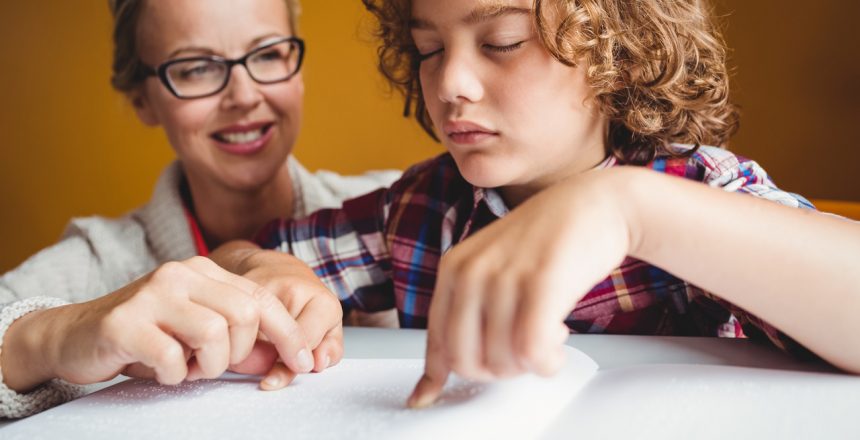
(459, 80)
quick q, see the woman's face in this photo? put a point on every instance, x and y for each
(511, 115)
(240, 137)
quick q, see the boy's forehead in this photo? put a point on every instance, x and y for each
(468, 11)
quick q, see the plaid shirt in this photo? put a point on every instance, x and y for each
(382, 250)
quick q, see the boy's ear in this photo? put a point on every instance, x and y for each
(143, 107)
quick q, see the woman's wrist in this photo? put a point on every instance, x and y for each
(25, 357)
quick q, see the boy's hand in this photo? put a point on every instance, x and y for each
(316, 309)
(502, 295)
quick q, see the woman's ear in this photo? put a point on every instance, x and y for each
(143, 107)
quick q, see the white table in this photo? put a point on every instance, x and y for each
(618, 355)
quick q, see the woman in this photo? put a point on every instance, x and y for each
(224, 82)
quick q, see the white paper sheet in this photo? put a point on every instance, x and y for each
(357, 399)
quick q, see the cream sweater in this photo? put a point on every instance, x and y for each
(97, 255)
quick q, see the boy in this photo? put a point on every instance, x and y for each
(538, 108)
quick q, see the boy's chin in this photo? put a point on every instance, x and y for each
(483, 179)
(484, 171)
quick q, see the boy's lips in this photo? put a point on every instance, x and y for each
(243, 139)
(467, 132)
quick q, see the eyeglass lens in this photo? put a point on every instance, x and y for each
(202, 76)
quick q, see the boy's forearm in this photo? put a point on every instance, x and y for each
(235, 256)
(247, 259)
(794, 268)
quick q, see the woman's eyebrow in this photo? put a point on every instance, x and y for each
(191, 50)
(264, 39)
(478, 15)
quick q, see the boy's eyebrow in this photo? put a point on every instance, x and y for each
(478, 15)
(491, 11)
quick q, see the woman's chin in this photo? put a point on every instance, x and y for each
(246, 177)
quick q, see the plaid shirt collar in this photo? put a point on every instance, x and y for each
(492, 199)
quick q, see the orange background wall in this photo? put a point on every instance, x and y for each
(73, 147)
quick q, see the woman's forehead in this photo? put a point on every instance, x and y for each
(222, 25)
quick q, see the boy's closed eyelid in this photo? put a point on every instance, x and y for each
(422, 56)
(426, 48)
(506, 39)
(501, 48)
(505, 47)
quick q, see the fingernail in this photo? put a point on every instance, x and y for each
(417, 401)
(272, 381)
(306, 362)
(326, 362)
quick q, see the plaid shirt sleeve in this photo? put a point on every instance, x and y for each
(345, 247)
(721, 169)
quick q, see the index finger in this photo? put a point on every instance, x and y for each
(284, 332)
(436, 369)
(276, 323)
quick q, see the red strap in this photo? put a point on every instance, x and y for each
(199, 242)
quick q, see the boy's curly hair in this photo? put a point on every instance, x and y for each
(657, 68)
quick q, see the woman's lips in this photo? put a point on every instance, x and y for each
(245, 140)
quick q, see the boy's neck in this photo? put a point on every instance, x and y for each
(514, 195)
(225, 214)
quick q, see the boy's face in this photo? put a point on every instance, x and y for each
(510, 114)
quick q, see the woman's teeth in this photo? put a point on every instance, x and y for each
(241, 138)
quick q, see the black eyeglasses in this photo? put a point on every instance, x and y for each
(199, 77)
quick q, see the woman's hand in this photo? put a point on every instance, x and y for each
(502, 295)
(184, 321)
(316, 310)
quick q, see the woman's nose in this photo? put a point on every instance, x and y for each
(242, 90)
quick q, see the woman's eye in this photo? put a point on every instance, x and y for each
(504, 49)
(197, 71)
(268, 55)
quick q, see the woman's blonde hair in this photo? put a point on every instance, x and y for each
(657, 68)
(128, 69)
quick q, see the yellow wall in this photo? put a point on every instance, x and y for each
(798, 82)
(72, 146)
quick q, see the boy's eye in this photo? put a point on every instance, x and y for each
(426, 55)
(504, 49)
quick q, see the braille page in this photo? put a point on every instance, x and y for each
(357, 399)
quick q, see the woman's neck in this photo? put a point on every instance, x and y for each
(225, 214)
